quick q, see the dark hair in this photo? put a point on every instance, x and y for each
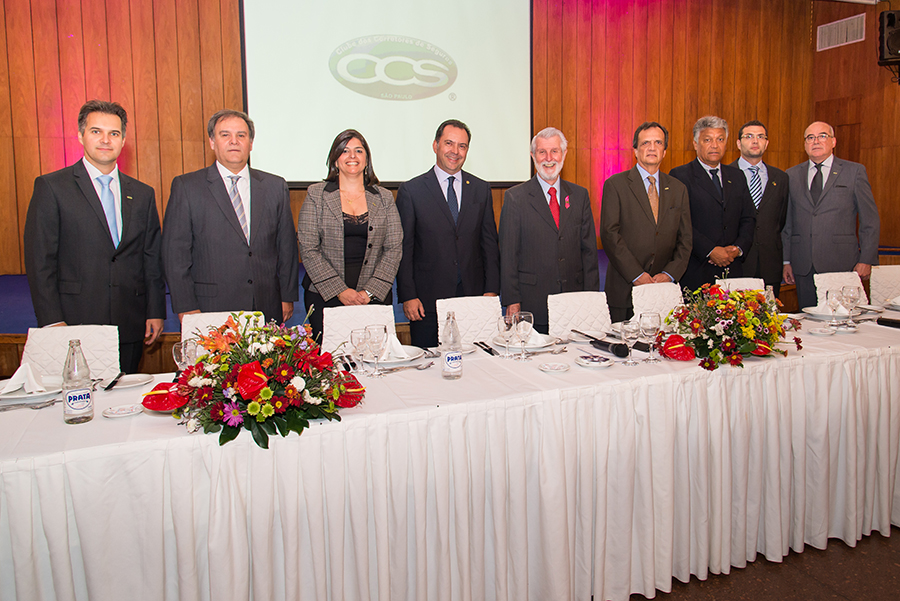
(224, 114)
(452, 123)
(101, 106)
(337, 149)
(650, 125)
(753, 123)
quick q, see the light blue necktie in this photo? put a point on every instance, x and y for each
(109, 207)
(755, 185)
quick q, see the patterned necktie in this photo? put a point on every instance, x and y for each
(653, 195)
(452, 202)
(108, 201)
(755, 185)
(714, 173)
(815, 189)
(554, 206)
(235, 195)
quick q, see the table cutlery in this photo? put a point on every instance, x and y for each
(555, 351)
(484, 346)
(114, 381)
(421, 366)
(40, 405)
(588, 336)
(432, 353)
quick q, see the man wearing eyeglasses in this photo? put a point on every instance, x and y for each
(827, 195)
(769, 191)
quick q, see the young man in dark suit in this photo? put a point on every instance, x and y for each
(229, 242)
(722, 212)
(449, 235)
(92, 241)
(548, 239)
(769, 192)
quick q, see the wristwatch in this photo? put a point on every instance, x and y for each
(371, 296)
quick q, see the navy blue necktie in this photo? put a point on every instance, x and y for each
(715, 178)
(451, 199)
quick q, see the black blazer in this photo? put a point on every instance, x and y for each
(716, 221)
(436, 251)
(75, 273)
(764, 258)
(208, 263)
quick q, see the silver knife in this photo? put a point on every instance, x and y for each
(114, 381)
(485, 347)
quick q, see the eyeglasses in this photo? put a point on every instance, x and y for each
(821, 137)
(757, 136)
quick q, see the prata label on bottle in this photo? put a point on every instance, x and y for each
(452, 360)
(78, 399)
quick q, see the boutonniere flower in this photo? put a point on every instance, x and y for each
(567, 202)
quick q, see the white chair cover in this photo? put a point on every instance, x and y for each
(585, 311)
(837, 280)
(337, 322)
(46, 349)
(742, 284)
(656, 298)
(194, 323)
(885, 283)
(476, 317)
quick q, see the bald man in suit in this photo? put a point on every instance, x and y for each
(645, 223)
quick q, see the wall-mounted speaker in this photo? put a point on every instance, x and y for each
(889, 38)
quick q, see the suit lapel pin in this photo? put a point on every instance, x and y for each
(129, 198)
(467, 181)
(666, 188)
(567, 202)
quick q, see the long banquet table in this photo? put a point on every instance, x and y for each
(509, 483)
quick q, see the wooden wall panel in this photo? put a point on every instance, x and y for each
(10, 250)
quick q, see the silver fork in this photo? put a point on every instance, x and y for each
(421, 366)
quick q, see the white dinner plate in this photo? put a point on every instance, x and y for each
(515, 346)
(554, 367)
(872, 308)
(53, 384)
(414, 353)
(129, 381)
(574, 337)
(815, 314)
(596, 362)
(892, 307)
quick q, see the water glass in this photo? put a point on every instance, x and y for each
(631, 331)
(524, 326)
(650, 323)
(833, 300)
(851, 296)
(359, 340)
(377, 341)
(184, 353)
(506, 324)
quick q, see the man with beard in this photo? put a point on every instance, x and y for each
(548, 240)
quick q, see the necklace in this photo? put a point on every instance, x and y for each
(346, 196)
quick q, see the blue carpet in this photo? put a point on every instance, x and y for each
(17, 312)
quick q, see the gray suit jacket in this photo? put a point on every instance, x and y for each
(208, 263)
(536, 258)
(822, 237)
(75, 273)
(633, 241)
(320, 229)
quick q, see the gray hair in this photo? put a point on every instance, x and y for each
(546, 134)
(225, 113)
(709, 122)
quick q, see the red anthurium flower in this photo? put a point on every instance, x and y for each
(251, 380)
(675, 348)
(322, 361)
(762, 348)
(352, 392)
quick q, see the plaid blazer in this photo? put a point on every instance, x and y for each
(320, 231)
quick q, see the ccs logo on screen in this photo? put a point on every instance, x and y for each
(392, 67)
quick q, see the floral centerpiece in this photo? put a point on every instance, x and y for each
(722, 327)
(262, 378)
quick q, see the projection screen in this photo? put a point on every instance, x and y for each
(394, 70)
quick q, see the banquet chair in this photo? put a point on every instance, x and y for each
(476, 317)
(656, 298)
(202, 323)
(742, 284)
(337, 322)
(46, 349)
(585, 311)
(837, 280)
(884, 284)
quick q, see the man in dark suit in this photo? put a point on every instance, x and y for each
(229, 242)
(449, 235)
(769, 192)
(92, 241)
(645, 223)
(548, 239)
(722, 218)
(820, 234)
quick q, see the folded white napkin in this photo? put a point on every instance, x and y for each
(393, 350)
(535, 339)
(826, 310)
(24, 378)
(895, 301)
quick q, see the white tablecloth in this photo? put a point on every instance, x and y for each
(509, 483)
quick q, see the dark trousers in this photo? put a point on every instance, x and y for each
(806, 290)
(130, 356)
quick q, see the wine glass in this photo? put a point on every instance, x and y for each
(507, 326)
(833, 300)
(184, 353)
(359, 339)
(650, 323)
(524, 326)
(850, 296)
(631, 331)
(377, 340)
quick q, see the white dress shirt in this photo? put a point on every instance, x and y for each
(243, 186)
(114, 187)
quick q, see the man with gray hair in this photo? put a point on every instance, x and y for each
(722, 211)
(229, 242)
(548, 239)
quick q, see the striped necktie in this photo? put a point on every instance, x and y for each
(755, 185)
(235, 195)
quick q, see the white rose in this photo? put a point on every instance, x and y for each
(298, 382)
(308, 398)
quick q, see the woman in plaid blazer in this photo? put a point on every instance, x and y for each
(349, 232)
